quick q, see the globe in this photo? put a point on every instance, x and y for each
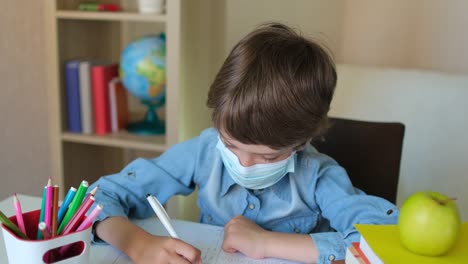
(143, 74)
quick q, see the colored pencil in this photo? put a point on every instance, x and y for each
(80, 193)
(78, 216)
(43, 205)
(93, 191)
(19, 214)
(54, 225)
(66, 202)
(10, 225)
(42, 227)
(90, 218)
(48, 207)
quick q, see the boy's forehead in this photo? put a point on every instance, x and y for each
(257, 149)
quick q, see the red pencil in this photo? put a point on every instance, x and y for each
(75, 221)
(43, 229)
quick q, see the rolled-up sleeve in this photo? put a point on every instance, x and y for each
(124, 193)
(343, 206)
(330, 246)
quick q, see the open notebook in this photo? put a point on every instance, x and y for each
(207, 238)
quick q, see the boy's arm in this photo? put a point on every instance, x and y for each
(297, 247)
(343, 206)
(243, 235)
(143, 247)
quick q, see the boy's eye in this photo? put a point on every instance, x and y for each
(270, 159)
(231, 147)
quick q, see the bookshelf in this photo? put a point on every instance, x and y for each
(72, 34)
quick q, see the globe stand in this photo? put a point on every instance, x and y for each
(150, 125)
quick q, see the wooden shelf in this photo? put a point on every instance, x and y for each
(189, 26)
(120, 140)
(110, 16)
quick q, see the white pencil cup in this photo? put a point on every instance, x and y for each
(45, 251)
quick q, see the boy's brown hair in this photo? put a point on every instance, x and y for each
(274, 89)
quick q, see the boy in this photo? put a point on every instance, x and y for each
(257, 174)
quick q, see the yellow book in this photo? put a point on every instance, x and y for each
(384, 241)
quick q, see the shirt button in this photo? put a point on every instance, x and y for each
(251, 206)
(331, 257)
(209, 218)
(297, 230)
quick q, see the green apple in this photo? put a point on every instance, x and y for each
(429, 223)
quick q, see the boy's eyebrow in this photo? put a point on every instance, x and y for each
(227, 143)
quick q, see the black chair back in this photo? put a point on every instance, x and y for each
(369, 151)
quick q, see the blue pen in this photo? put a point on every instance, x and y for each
(65, 204)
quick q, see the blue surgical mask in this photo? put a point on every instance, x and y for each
(258, 176)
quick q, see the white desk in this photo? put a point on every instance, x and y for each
(207, 238)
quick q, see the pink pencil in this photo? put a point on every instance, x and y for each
(90, 218)
(49, 201)
(78, 216)
(19, 214)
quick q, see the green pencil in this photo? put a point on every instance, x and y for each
(10, 225)
(41, 216)
(76, 202)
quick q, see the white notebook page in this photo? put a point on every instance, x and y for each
(207, 238)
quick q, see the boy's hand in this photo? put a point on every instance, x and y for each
(243, 235)
(142, 247)
(158, 249)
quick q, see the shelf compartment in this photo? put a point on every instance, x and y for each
(110, 16)
(121, 140)
(88, 162)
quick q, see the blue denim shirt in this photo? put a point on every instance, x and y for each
(317, 199)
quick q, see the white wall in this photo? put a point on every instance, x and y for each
(321, 20)
(424, 34)
(432, 106)
(24, 142)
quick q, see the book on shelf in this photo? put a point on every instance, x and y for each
(87, 120)
(101, 75)
(72, 91)
(381, 244)
(354, 255)
(118, 105)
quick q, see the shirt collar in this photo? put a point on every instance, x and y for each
(227, 182)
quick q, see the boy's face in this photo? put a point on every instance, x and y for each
(250, 155)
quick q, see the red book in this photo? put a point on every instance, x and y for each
(362, 257)
(118, 105)
(101, 75)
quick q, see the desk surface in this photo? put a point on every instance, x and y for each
(207, 238)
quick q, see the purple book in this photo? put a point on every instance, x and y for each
(72, 87)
